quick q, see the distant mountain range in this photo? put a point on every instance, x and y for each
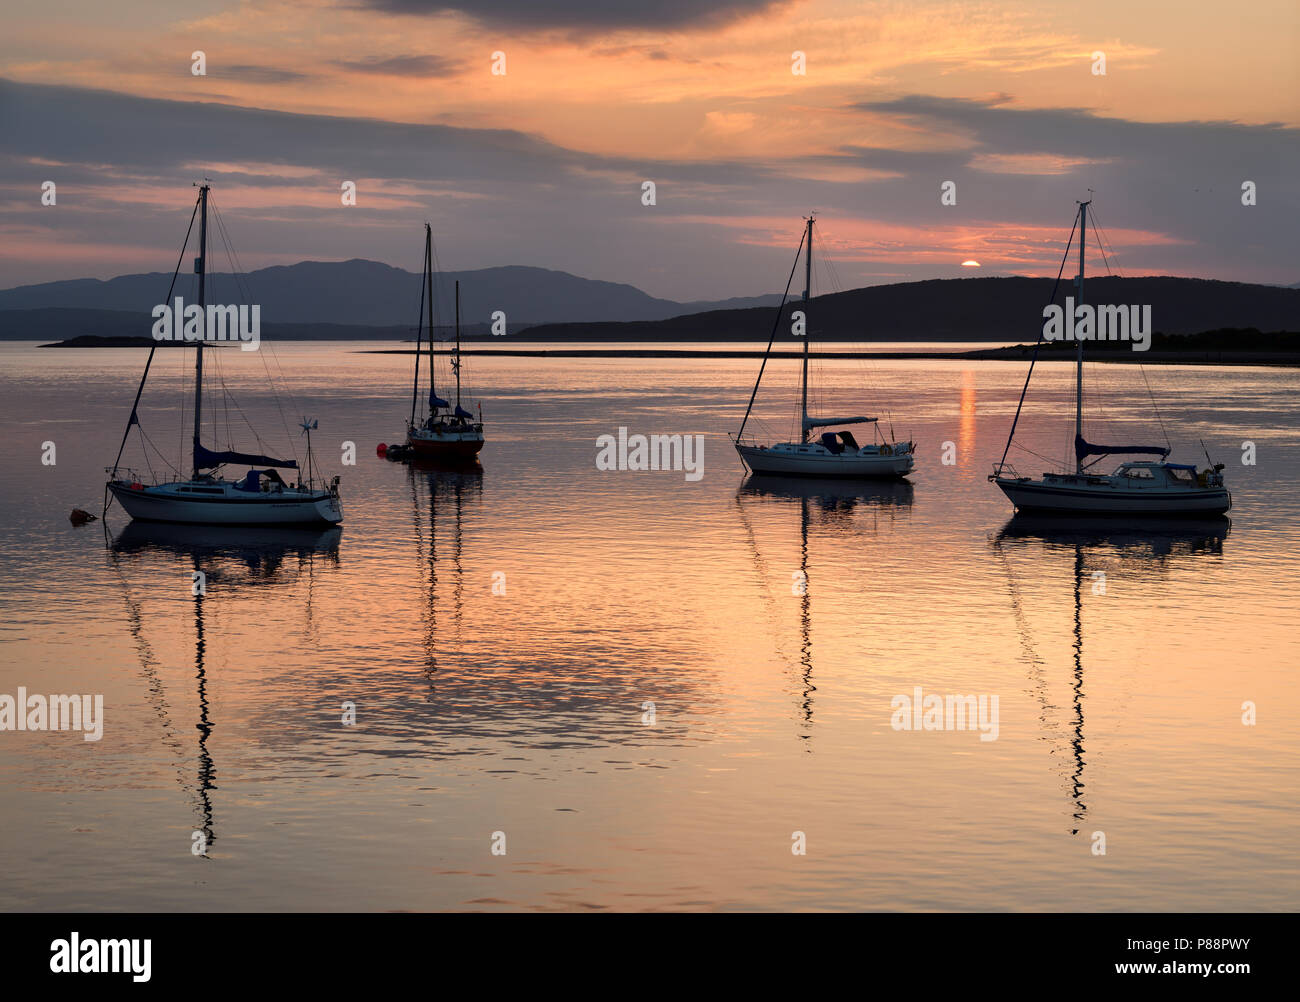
(334, 301)
(371, 294)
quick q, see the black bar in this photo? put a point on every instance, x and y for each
(682, 954)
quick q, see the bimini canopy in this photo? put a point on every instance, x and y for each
(1083, 449)
(827, 422)
(206, 459)
(253, 480)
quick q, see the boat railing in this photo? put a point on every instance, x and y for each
(134, 476)
(1005, 471)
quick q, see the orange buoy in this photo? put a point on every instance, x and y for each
(137, 486)
(381, 449)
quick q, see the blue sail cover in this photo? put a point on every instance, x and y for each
(462, 413)
(436, 401)
(810, 423)
(1084, 449)
(206, 459)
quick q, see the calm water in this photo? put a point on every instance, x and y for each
(522, 713)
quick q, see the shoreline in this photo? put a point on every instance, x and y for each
(1015, 353)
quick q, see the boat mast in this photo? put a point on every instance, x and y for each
(807, 288)
(428, 280)
(419, 330)
(1078, 375)
(457, 365)
(200, 266)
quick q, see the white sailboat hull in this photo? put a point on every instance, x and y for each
(164, 503)
(790, 462)
(1109, 498)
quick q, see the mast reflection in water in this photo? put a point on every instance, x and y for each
(232, 558)
(1144, 547)
(441, 490)
(831, 508)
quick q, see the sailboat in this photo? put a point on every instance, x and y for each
(833, 453)
(1136, 487)
(449, 433)
(260, 497)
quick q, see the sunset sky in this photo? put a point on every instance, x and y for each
(544, 165)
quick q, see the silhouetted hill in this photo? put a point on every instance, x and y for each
(962, 309)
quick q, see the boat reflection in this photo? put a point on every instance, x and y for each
(1134, 536)
(235, 557)
(261, 551)
(441, 492)
(829, 506)
(835, 501)
(1144, 547)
